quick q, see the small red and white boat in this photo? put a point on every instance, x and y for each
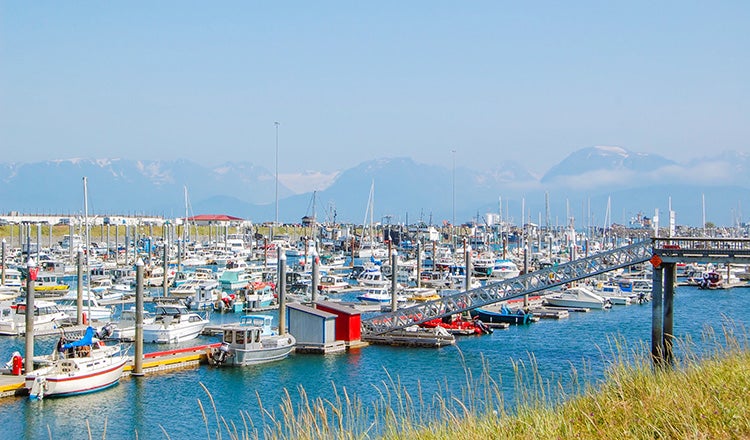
(78, 367)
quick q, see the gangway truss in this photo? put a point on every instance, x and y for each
(529, 283)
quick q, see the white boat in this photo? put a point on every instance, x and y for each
(173, 323)
(333, 283)
(614, 294)
(251, 342)
(372, 277)
(78, 367)
(47, 316)
(577, 296)
(504, 269)
(191, 287)
(13, 279)
(379, 295)
(124, 328)
(91, 306)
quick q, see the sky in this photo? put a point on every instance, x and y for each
(475, 84)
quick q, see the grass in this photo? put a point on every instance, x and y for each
(705, 395)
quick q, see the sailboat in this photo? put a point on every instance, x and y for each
(368, 246)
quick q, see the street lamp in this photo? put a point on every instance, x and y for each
(276, 219)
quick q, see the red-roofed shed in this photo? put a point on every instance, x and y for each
(348, 320)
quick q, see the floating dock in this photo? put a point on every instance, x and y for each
(153, 363)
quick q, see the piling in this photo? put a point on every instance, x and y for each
(467, 263)
(138, 357)
(657, 323)
(394, 280)
(281, 286)
(2, 278)
(315, 276)
(30, 278)
(669, 282)
(419, 264)
(165, 242)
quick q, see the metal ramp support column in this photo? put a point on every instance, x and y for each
(668, 335)
(657, 316)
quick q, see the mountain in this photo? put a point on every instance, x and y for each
(126, 186)
(579, 188)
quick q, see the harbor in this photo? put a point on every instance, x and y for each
(340, 355)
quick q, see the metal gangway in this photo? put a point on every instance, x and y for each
(509, 289)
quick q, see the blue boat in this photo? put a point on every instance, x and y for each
(504, 315)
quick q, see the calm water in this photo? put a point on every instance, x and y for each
(169, 400)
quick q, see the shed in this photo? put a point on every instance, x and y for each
(348, 320)
(314, 330)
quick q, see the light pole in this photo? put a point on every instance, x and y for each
(453, 184)
(276, 219)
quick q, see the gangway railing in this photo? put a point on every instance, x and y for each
(702, 249)
(509, 289)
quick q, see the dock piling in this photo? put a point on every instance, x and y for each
(138, 358)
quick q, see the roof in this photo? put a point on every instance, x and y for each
(338, 307)
(213, 218)
(311, 311)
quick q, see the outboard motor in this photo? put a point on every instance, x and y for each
(105, 332)
(221, 354)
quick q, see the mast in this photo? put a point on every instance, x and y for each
(88, 243)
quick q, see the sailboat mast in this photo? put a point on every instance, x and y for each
(88, 243)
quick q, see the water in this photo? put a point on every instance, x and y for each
(169, 400)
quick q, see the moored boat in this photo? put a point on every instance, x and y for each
(251, 342)
(173, 323)
(78, 367)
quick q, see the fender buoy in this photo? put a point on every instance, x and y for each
(17, 365)
(85, 319)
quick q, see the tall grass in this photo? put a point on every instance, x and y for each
(705, 394)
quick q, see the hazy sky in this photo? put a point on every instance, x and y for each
(353, 81)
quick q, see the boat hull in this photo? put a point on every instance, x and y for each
(46, 382)
(157, 333)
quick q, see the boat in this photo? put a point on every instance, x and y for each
(48, 286)
(251, 342)
(379, 295)
(711, 280)
(333, 283)
(13, 279)
(91, 307)
(173, 323)
(420, 294)
(577, 297)
(47, 316)
(233, 279)
(124, 328)
(191, 287)
(457, 325)
(504, 269)
(503, 314)
(78, 367)
(257, 295)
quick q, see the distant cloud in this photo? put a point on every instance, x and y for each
(308, 181)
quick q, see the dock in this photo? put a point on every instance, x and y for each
(153, 363)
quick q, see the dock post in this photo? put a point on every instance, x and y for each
(138, 356)
(79, 286)
(419, 264)
(394, 280)
(2, 279)
(30, 278)
(127, 243)
(668, 335)
(657, 317)
(315, 276)
(117, 244)
(467, 263)
(281, 288)
(165, 278)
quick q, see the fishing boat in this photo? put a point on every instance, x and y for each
(577, 296)
(333, 283)
(251, 342)
(504, 269)
(47, 316)
(50, 286)
(78, 367)
(173, 323)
